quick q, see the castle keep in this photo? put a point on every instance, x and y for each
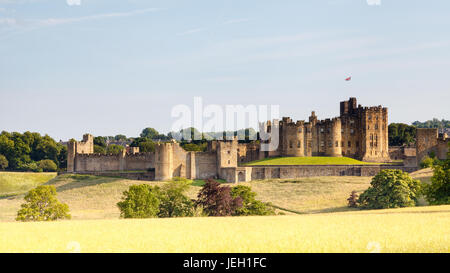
(359, 132)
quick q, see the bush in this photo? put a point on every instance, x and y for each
(216, 200)
(353, 200)
(427, 162)
(3, 162)
(390, 189)
(29, 167)
(47, 165)
(438, 192)
(140, 201)
(250, 206)
(42, 205)
(173, 202)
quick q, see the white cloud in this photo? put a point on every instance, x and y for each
(236, 21)
(191, 31)
(73, 2)
(32, 24)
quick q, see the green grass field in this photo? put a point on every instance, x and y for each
(420, 229)
(312, 160)
(13, 183)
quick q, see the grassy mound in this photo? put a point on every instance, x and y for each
(309, 160)
(13, 183)
(420, 229)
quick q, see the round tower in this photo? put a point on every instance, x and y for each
(335, 138)
(163, 161)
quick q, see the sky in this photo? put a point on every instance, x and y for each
(110, 67)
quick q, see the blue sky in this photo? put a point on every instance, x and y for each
(109, 67)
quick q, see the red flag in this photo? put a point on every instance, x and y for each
(349, 78)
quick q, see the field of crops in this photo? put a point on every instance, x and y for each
(420, 229)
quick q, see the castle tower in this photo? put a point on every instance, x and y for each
(334, 138)
(86, 146)
(164, 161)
(292, 138)
(227, 154)
(374, 134)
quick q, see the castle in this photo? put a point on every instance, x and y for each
(359, 132)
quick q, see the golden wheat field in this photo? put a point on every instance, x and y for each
(420, 229)
(324, 224)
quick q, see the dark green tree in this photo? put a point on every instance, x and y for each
(3, 162)
(390, 189)
(100, 141)
(114, 149)
(401, 134)
(149, 133)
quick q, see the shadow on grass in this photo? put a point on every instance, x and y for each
(75, 181)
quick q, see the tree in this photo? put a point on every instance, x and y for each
(353, 200)
(216, 200)
(401, 134)
(173, 202)
(438, 192)
(100, 141)
(145, 145)
(390, 189)
(140, 201)
(47, 165)
(99, 149)
(114, 149)
(250, 206)
(42, 205)
(149, 133)
(3, 162)
(435, 123)
(120, 138)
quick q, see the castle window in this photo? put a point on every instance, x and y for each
(321, 130)
(290, 144)
(229, 152)
(299, 130)
(357, 143)
(322, 143)
(368, 127)
(229, 161)
(299, 145)
(337, 143)
(342, 143)
(349, 144)
(376, 126)
(376, 117)
(328, 130)
(352, 131)
(342, 131)
(370, 117)
(330, 144)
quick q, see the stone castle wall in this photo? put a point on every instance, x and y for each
(429, 141)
